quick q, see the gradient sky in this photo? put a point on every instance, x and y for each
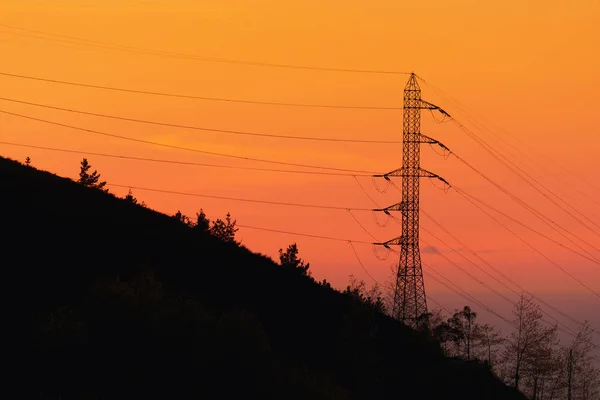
(527, 70)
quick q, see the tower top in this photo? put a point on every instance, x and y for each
(412, 83)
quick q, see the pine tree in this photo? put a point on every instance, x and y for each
(224, 230)
(28, 161)
(202, 222)
(184, 219)
(90, 180)
(130, 197)
(289, 259)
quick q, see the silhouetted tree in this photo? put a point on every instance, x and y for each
(90, 180)
(325, 284)
(435, 325)
(488, 338)
(371, 297)
(289, 259)
(462, 329)
(129, 197)
(184, 219)
(224, 230)
(528, 352)
(202, 222)
(582, 378)
(28, 161)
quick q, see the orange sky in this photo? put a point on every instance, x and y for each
(530, 68)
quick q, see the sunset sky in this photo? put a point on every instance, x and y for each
(527, 72)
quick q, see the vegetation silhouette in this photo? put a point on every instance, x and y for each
(110, 299)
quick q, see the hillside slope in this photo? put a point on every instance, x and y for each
(107, 299)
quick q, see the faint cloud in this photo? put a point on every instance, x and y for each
(430, 250)
(480, 251)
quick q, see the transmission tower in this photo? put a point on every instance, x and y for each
(410, 301)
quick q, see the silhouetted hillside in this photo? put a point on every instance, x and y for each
(107, 299)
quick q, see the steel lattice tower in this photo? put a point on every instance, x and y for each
(410, 301)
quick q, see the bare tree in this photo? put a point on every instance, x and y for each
(582, 377)
(487, 339)
(529, 351)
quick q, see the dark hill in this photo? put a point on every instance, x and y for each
(106, 299)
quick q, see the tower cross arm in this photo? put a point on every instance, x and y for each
(425, 105)
(428, 140)
(394, 207)
(423, 173)
(420, 173)
(392, 242)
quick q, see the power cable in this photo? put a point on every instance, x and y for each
(498, 156)
(516, 221)
(493, 277)
(301, 234)
(198, 128)
(182, 96)
(533, 248)
(508, 279)
(547, 221)
(524, 241)
(429, 298)
(279, 203)
(532, 148)
(178, 147)
(141, 50)
(188, 163)
(456, 265)
(461, 292)
(484, 128)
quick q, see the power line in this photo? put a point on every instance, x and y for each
(380, 285)
(550, 223)
(456, 265)
(521, 239)
(198, 128)
(487, 273)
(302, 234)
(182, 96)
(188, 163)
(361, 225)
(429, 216)
(498, 156)
(497, 280)
(141, 50)
(279, 203)
(517, 149)
(461, 292)
(363, 266)
(532, 247)
(178, 147)
(516, 221)
(531, 148)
